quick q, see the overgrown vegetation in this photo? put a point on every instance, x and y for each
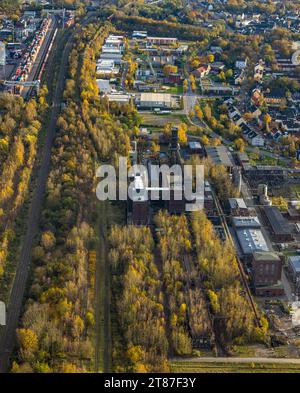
(141, 345)
(234, 318)
(20, 125)
(58, 324)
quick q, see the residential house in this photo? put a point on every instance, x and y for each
(259, 71)
(202, 71)
(239, 77)
(256, 97)
(217, 66)
(275, 97)
(241, 64)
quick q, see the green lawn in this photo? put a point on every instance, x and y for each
(158, 120)
(176, 90)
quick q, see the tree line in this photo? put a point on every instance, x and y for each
(57, 328)
(141, 344)
(20, 127)
(234, 318)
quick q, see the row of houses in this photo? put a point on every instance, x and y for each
(250, 134)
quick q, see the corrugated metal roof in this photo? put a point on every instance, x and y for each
(278, 223)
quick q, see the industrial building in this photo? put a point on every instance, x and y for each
(116, 57)
(209, 204)
(249, 236)
(266, 274)
(251, 240)
(220, 156)
(280, 229)
(246, 222)
(154, 100)
(195, 148)
(110, 59)
(242, 158)
(139, 204)
(161, 41)
(114, 41)
(138, 34)
(106, 66)
(140, 207)
(294, 268)
(104, 86)
(120, 98)
(271, 175)
(263, 198)
(293, 213)
(175, 206)
(238, 207)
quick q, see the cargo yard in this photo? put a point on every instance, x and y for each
(26, 58)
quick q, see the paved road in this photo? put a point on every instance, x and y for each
(103, 349)
(239, 360)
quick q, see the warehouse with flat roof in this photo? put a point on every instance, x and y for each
(246, 222)
(251, 240)
(220, 156)
(154, 100)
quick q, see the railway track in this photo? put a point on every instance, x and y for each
(8, 337)
(37, 71)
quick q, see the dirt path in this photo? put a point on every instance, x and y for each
(239, 360)
(103, 295)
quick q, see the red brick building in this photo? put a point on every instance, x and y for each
(266, 273)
